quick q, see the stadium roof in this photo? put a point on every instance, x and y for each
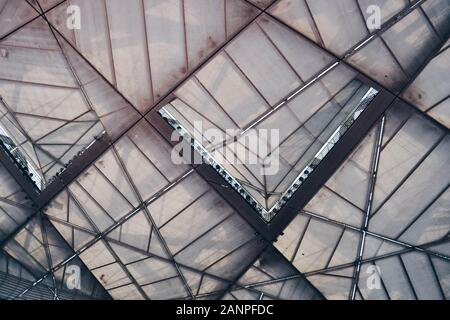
(363, 117)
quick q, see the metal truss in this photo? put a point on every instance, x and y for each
(269, 232)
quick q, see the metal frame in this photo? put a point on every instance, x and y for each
(369, 201)
(269, 232)
(268, 213)
(332, 161)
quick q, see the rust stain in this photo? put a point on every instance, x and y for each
(102, 279)
(415, 95)
(211, 43)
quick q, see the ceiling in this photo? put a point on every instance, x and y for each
(81, 105)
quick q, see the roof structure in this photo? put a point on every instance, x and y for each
(95, 206)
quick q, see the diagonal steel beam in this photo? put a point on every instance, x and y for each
(332, 161)
(376, 258)
(95, 151)
(101, 145)
(57, 187)
(419, 248)
(41, 200)
(31, 20)
(364, 126)
(75, 174)
(369, 201)
(385, 100)
(20, 176)
(101, 235)
(364, 42)
(359, 129)
(8, 256)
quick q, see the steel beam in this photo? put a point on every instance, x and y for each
(332, 161)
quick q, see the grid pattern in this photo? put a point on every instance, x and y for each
(15, 208)
(428, 92)
(15, 278)
(395, 175)
(167, 234)
(145, 47)
(152, 228)
(237, 91)
(30, 247)
(394, 53)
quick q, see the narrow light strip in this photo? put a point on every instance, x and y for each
(324, 150)
(35, 177)
(292, 96)
(208, 158)
(79, 153)
(374, 172)
(267, 215)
